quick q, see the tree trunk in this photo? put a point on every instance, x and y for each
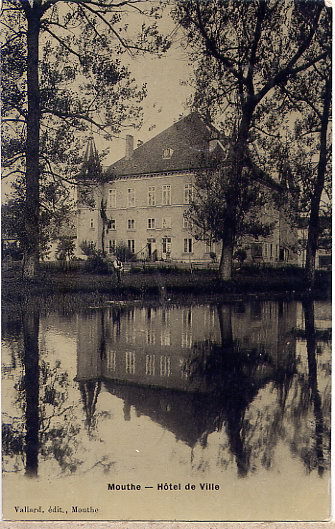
(103, 232)
(235, 187)
(226, 261)
(32, 202)
(314, 217)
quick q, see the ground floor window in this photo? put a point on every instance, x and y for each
(111, 246)
(256, 250)
(131, 245)
(166, 244)
(188, 245)
(284, 254)
(325, 260)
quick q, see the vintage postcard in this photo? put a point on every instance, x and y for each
(166, 260)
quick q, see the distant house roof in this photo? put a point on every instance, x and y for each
(183, 146)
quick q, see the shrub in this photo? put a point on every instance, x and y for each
(88, 248)
(96, 264)
(122, 252)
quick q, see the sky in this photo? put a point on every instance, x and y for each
(166, 95)
(166, 98)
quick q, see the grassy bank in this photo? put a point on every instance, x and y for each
(165, 282)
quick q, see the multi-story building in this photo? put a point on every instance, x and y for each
(150, 189)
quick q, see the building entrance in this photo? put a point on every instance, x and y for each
(152, 249)
(166, 247)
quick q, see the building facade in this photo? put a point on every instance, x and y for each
(142, 203)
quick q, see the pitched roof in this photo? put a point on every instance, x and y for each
(188, 140)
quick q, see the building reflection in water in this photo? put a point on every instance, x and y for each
(192, 370)
(196, 370)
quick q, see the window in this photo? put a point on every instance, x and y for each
(131, 198)
(130, 363)
(166, 337)
(167, 154)
(150, 364)
(92, 224)
(111, 224)
(166, 195)
(165, 366)
(325, 261)
(111, 361)
(266, 250)
(256, 250)
(131, 245)
(111, 246)
(166, 223)
(151, 196)
(131, 224)
(188, 193)
(151, 224)
(166, 245)
(188, 245)
(210, 246)
(112, 198)
(187, 224)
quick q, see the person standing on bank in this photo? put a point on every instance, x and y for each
(118, 267)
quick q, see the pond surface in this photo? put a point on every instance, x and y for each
(234, 396)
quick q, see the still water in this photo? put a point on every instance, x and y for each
(233, 394)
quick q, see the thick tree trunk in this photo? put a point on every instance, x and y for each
(226, 261)
(235, 187)
(32, 205)
(314, 217)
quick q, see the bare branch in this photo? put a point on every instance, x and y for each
(16, 120)
(3, 176)
(289, 70)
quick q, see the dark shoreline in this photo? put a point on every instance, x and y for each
(265, 284)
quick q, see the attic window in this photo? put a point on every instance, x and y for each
(167, 154)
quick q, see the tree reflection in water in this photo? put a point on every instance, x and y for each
(48, 427)
(237, 375)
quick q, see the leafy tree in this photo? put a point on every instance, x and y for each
(65, 248)
(309, 152)
(243, 52)
(55, 208)
(62, 75)
(209, 212)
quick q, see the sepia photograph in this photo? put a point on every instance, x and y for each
(166, 260)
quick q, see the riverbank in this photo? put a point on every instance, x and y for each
(141, 283)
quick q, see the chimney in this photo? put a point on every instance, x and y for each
(129, 146)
